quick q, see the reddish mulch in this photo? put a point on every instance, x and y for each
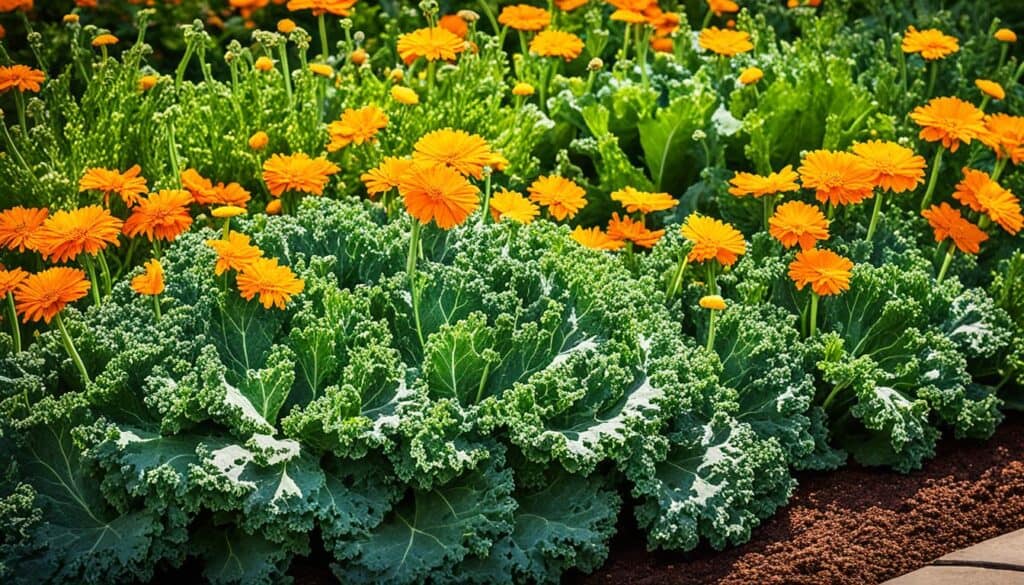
(856, 525)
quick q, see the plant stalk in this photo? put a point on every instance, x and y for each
(69, 345)
(934, 179)
(12, 315)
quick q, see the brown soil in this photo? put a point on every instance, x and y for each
(854, 526)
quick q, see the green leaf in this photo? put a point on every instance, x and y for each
(670, 151)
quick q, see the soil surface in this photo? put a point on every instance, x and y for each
(853, 526)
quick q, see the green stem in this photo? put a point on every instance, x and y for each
(712, 283)
(933, 76)
(711, 331)
(487, 200)
(934, 179)
(108, 283)
(128, 258)
(17, 154)
(172, 148)
(286, 70)
(69, 345)
(227, 228)
(157, 253)
(156, 306)
(832, 395)
(483, 382)
(179, 76)
(549, 74)
(677, 279)
(707, 19)
(12, 314)
(875, 213)
(625, 43)
(19, 102)
(410, 269)
(95, 288)
(431, 77)
(486, 7)
(999, 168)
(814, 313)
(950, 252)
(321, 23)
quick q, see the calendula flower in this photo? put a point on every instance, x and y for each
(1005, 135)
(524, 17)
(297, 173)
(438, 193)
(949, 120)
(19, 225)
(386, 175)
(931, 44)
(750, 76)
(562, 197)
(784, 181)
(148, 82)
(264, 64)
(1005, 35)
(432, 44)
(512, 206)
(662, 44)
(522, 89)
(595, 239)
(839, 178)
(556, 43)
(947, 223)
(796, 222)
(286, 26)
(570, 5)
(712, 303)
(825, 271)
(990, 88)
(640, 201)
(275, 284)
(628, 16)
(713, 240)
(40, 297)
(322, 70)
(234, 253)
(979, 192)
(161, 216)
(12, 5)
(151, 281)
(66, 234)
(405, 95)
(720, 7)
(259, 140)
(728, 43)
(10, 279)
(454, 24)
(356, 127)
(104, 40)
(898, 168)
(230, 195)
(21, 78)
(128, 185)
(358, 57)
(665, 23)
(466, 153)
(335, 7)
(273, 207)
(227, 211)
(197, 185)
(628, 230)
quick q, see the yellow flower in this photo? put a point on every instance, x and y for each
(264, 64)
(931, 44)
(713, 240)
(712, 303)
(991, 88)
(643, 202)
(356, 127)
(104, 40)
(728, 43)
(556, 43)
(227, 211)
(150, 282)
(147, 82)
(522, 89)
(1005, 35)
(513, 206)
(432, 44)
(285, 26)
(561, 196)
(259, 140)
(405, 95)
(750, 76)
(321, 70)
(595, 239)
(274, 284)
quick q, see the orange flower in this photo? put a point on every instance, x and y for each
(129, 185)
(466, 153)
(234, 253)
(438, 193)
(712, 303)
(839, 178)
(356, 126)
(297, 172)
(664, 23)
(750, 76)
(1005, 135)
(10, 279)
(626, 229)
(931, 44)
(259, 140)
(274, 284)
(150, 282)
(796, 222)
(43, 295)
(556, 43)
(104, 40)
(713, 239)
(720, 7)
(430, 43)
(979, 192)
(321, 69)
(21, 78)
(12, 5)
(162, 216)
(595, 239)
(204, 192)
(1005, 35)
(898, 168)
(66, 234)
(990, 88)
(512, 206)
(386, 175)
(828, 273)
(454, 24)
(643, 202)
(949, 120)
(947, 223)
(335, 7)
(561, 196)
(570, 5)
(728, 43)
(524, 17)
(19, 225)
(405, 95)
(783, 181)
(628, 16)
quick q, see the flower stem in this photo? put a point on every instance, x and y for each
(227, 228)
(946, 262)
(931, 80)
(322, 25)
(19, 102)
(156, 306)
(712, 283)
(486, 7)
(875, 213)
(934, 179)
(95, 288)
(814, 313)
(677, 279)
(487, 200)
(410, 269)
(108, 283)
(12, 315)
(69, 345)
(711, 331)
(286, 70)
